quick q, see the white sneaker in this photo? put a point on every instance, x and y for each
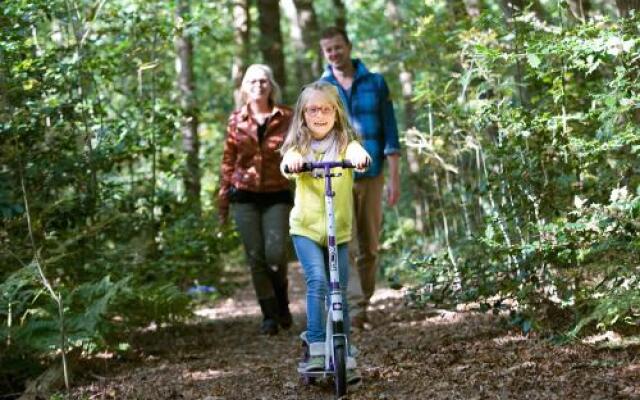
(315, 363)
(353, 377)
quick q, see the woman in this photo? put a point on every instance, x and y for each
(260, 195)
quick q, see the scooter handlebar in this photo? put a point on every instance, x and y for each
(310, 166)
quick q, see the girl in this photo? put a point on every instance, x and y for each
(251, 180)
(320, 132)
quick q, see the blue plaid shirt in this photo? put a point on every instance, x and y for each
(370, 113)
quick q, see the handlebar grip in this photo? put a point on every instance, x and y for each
(305, 168)
(309, 166)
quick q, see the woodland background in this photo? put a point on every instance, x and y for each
(519, 122)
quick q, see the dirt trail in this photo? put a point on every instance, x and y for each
(407, 354)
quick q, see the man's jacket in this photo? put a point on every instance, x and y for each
(370, 113)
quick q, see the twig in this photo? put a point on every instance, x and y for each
(10, 395)
(89, 26)
(56, 297)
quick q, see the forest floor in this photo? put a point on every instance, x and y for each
(406, 353)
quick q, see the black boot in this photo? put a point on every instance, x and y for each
(284, 315)
(269, 309)
(280, 287)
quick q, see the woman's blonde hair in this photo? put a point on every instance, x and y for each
(299, 135)
(274, 96)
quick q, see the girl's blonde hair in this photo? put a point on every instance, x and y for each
(274, 96)
(299, 135)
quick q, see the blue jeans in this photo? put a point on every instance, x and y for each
(315, 264)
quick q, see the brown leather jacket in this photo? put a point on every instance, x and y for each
(248, 164)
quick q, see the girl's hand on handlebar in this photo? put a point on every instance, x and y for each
(293, 162)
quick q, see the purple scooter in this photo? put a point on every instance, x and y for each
(336, 343)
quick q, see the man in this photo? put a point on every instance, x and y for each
(366, 98)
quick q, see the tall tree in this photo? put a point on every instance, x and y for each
(341, 14)
(304, 35)
(457, 8)
(186, 88)
(310, 34)
(473, 8)
(271, 38)
(515, 7)
(512, 9)
(241, 26)
(625, 7)
(579, 8)
(406, 81)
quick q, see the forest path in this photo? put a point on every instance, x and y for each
(407, 354)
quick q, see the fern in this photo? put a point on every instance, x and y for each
(153, 303)
(613, 308)
(30, 321)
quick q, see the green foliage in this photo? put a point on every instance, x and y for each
(88, 124)
(96, 314)
(526, 135)
(528, 143)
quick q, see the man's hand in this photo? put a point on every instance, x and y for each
(393, 186)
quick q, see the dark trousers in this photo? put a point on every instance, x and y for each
(265, 234)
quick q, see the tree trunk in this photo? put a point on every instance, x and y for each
(189, 123)
(271, 39)
(241, 26)
(625, 7)
(406, 81)
(406, 77)
(511, 9)
(457, 8)
(473, 8)
(516, 7)
(463, 9)
(341, 14)
(303, 72)
(624, 10)
(580, 9)
(305, 33)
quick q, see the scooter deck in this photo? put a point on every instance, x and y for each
(315, 374)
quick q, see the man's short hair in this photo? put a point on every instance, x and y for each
(332, 31)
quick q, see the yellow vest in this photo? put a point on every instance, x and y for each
(308, 217)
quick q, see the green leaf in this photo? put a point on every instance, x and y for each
(533, 60)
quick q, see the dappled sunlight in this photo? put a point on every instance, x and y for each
(244, 303)
(606, 337)
(408, 353)
(441, 317)
(383, 294)
(229, 308)
(207, 375)
(509, 338)
(635, 368)
(384, 298)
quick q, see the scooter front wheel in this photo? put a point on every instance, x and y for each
(340, 366)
